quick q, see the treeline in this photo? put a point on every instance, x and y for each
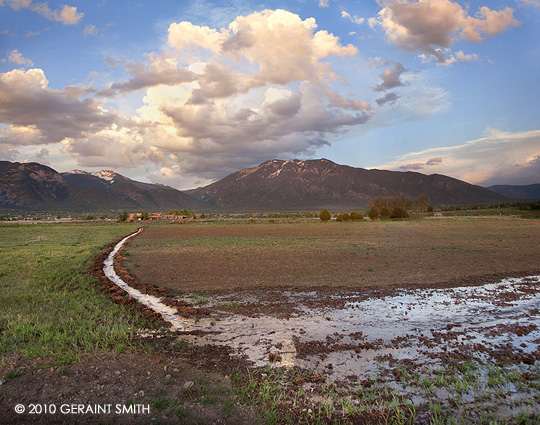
(184, 212)
(325, 215)
(386, 207)
(397, 206)
(419, 204)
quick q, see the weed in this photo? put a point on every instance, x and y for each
(181, 411)
(200, 299)
(347, 407)
(13, 373)
(228, 406)
(436, 414)
(160, 402)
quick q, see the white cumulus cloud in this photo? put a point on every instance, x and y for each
(433, 26)
(16, 57)
(67, 15)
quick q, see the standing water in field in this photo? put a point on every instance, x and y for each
(357, 337)
(354, 335)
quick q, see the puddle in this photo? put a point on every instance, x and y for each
(363, 337)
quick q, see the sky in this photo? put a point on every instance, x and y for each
(184, 93)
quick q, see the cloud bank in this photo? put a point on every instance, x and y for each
(498, 158)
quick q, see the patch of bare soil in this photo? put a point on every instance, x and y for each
(132, 388)
(327, 256)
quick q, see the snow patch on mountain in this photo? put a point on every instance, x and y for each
(106, 175)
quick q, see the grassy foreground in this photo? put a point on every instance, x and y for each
(49, 307)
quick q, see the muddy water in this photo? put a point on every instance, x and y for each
(362, 337)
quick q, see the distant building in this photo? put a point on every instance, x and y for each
(135, 217)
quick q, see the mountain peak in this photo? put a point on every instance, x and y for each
(320, 183)
(107, 175)
(78, 172)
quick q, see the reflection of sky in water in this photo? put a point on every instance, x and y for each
(462, 316)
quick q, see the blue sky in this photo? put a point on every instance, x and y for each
(184, 93)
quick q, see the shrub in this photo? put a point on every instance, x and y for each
(343, 217)
(373, 214)
(356, 216)
(399, 212)
(123, 217)
(385, 213)
(324, 215)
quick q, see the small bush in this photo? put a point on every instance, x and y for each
(343, 217)
(356, 216)
(373, 214)
(399, 212)
(324, 215)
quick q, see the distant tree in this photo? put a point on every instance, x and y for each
(421, 202)
(430, 209)
(343, 217)
(399, 212)
(202, 216)
(385, 213)
(144, 215)
(324, 215)
(356, 216)
(123, 217)
(391, 202)
(373, 214)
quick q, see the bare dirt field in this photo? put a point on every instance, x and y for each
(216, 257)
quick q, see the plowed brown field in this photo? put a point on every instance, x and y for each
(222, 257)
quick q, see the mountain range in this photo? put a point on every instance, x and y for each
(36, 187)
(274, 185)
(530, 192)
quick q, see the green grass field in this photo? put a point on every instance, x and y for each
(50, 307)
